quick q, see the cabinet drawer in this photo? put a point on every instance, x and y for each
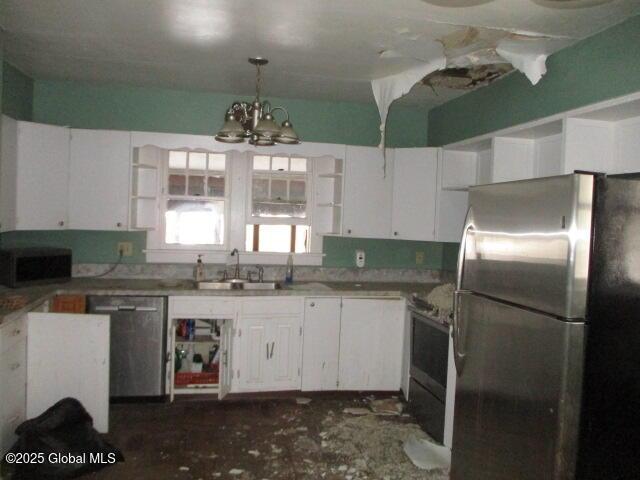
(12, 333)
(272, 306)
(201, 306)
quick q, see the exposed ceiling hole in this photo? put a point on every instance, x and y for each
(457, 3)
(571, 3)
(466, 78)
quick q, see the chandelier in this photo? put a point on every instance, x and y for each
(255, 121)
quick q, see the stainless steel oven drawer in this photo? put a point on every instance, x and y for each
(428, 410)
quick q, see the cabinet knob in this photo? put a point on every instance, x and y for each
(61, 223)
(312, 304)
(119, 224)
(349, 231)
(395, 234)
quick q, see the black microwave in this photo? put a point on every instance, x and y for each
(20, 267)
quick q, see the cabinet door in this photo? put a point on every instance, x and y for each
(283, 365)
(415, 173)
(367, 193)
(79, 370)
(371, 339)
(42, 176)
(321, 344)
(252, 353)
(452, 210)
(226, 369)
(99, 179)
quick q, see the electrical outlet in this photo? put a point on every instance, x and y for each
(126, 248)
(419, 258)
(360, 258)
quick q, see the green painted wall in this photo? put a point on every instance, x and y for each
(121, 107)
(17, 93)
(603, 66)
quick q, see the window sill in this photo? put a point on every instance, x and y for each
(246, 258)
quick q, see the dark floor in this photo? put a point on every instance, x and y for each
(261, 439)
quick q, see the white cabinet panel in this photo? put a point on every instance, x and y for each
(415, 174)
(452, 210)
(589, 145)
(13, 369)
(35, 164)
(513, 159)
(284, 356)
(371, 340)
(99, 179)
(253, 352)
(367, 193)
(68, 356)
(548, 156)
(459, 169)
(321, 344)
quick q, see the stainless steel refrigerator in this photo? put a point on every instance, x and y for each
(547, 331)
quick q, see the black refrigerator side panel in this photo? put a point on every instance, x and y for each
(610, 427)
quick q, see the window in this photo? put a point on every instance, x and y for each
(195, 198)
(277, 238)
(278, 217)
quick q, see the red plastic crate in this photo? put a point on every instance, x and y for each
(202, 378)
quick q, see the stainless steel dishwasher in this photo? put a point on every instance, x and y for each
(138, 344)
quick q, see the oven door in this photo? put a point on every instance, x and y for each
(429, 354)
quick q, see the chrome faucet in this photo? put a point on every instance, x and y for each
(237, 254)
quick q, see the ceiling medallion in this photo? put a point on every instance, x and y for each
(254, 121)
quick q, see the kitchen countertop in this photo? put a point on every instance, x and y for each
(91, 286)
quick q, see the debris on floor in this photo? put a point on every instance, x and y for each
(275, 439)
(427, 455)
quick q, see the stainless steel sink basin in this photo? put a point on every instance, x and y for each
(234, 284)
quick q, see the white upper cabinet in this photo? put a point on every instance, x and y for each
(99, 179)
(367, 193)
(415, 175)
(35, 176)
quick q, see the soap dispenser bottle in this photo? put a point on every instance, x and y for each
(288, 278)
(198, 271)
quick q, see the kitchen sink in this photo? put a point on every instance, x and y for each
(235, 285)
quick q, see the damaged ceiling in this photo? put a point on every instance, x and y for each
(328, 50)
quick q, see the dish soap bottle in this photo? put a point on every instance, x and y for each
(198, 271)
(288, 277)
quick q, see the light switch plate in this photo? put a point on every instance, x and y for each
(360, 258)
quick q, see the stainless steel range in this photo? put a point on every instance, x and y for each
(428, 371)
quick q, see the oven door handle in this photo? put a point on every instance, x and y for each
(457, 328)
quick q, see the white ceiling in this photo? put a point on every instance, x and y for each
(318, 49)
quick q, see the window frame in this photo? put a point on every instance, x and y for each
(164, 197)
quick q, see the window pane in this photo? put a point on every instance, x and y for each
(302, 235)
(196, 185)
(177, 184)
(217, 161)
(261, 162)
(298, 164)
(197, 161)
(275, 238)
(215, 186)
(260, 189)
(194, 222)
(278, 190)
(177, 159)
(297, 191)
(280, 164)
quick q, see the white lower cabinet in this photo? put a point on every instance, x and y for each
(13, 379)
(268, 345)
(321, 344)
(371, 343)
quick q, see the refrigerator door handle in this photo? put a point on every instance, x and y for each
(456, 327)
